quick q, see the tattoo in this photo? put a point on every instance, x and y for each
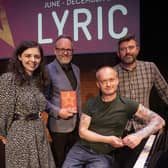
(145, 111)
(154, 121)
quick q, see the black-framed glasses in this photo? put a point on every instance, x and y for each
(63, 50)
(131, 47)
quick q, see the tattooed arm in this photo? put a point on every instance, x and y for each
(154, 124)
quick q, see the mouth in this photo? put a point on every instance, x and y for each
(128, 56)
(32, 65)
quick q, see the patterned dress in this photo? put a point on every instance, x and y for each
(27, 145)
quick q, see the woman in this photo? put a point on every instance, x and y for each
(21, 103)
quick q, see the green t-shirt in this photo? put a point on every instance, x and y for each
(108, 118)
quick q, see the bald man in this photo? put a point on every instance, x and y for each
(102, 124)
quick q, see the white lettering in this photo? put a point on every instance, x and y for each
(100, 21)
(78, 2)
(40, 30)
(112, 10)
(52, 4)
(83, 25)
(60, 24)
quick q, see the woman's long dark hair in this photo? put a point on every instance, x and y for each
(15, 65)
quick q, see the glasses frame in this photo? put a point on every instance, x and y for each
(130, 47)
(63, 50)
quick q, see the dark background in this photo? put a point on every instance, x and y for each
(154, 43)
(154, 47)
(154, 33)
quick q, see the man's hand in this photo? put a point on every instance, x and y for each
(115, 141)
(132, 140)
(66, 113)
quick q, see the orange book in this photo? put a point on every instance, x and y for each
(69, 100)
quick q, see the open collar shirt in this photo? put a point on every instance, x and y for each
(136, 84)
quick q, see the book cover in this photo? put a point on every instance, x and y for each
(69, 100)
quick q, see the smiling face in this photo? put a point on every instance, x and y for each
(63, 50)
(30, 59)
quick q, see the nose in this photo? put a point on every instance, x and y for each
(127, 49)
(108, 83)
(32, 58)
(65, 52)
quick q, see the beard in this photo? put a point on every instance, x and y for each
(128, 59)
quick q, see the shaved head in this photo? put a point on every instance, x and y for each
(103, 70)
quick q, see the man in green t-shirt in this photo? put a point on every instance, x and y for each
(102, 124)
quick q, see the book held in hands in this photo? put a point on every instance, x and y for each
(69, 100)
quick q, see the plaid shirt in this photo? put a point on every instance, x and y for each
(137, 84)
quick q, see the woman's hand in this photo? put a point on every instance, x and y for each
(3, 139)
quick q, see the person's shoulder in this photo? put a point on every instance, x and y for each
(124, 99)
(117, 66)
(75, 66)
(146, 63)
(7, 76)
(51, 63)
(52, 66)
(127, 100)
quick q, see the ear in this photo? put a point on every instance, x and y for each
(118, 54)
(98, 85)
(19, 58)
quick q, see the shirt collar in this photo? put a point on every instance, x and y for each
(128, 69)
(66, 67)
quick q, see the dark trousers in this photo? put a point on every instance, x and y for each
(127, 156)
(2, 155)
(61, 143)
